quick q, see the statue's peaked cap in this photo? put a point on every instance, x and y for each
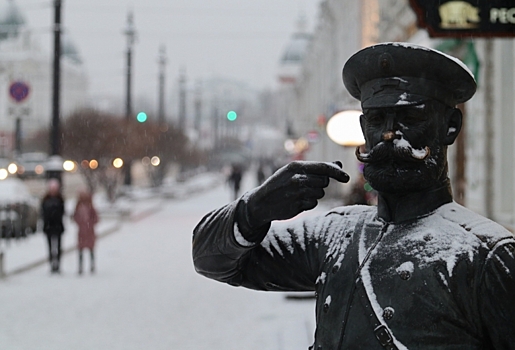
(403, 74)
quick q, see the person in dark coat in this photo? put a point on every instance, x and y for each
(417, 271)
(52, 209)
(86, 218)
(234, 179)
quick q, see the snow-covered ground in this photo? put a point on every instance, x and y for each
(145, 293)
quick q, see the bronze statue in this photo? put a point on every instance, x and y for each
(418, 271)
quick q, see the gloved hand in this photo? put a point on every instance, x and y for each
(294, 188)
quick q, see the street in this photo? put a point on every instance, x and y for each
(146, 295)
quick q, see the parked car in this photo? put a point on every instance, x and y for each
(19, 209)
(7, 167)
(31, 164)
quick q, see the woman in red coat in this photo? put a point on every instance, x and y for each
(86, 217)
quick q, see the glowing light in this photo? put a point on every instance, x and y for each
(118, 163)
(155, 161)
(69, 165)
(141, 117)
(289, 145)
(93, 164)
(145, 160)
(12, 168)
(39, 169)
(232, 115)
(3, 174)
(84, 164)
(344, 128)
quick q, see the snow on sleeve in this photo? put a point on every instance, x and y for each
(239, 237)
(288, 234)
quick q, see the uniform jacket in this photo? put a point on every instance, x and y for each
(444, 280)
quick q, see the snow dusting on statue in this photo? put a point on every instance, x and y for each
(417, 271)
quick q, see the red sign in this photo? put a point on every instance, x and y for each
(472, 18)
(313, 136)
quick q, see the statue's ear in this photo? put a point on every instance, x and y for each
(453, 122)
(362, 123)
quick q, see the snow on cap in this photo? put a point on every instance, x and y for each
(404, 74)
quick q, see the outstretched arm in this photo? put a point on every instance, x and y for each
(227, 241)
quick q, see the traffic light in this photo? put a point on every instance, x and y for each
(232, 115)
(141, 117)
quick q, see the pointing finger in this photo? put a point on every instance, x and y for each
(321, 168)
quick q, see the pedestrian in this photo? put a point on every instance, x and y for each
(52, 209)
(86, 218)
(234, 179)
(417, 271)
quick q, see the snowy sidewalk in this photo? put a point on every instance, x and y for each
(24, 254)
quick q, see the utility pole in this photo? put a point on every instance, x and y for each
(182, 100)
(198, 107)
(130, 32)
(55, 134)
(162, 60)
(214, 118)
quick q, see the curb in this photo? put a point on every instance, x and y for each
(121, 218)
(43, 261)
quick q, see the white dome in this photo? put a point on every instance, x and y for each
(11, 19)
(296, 48)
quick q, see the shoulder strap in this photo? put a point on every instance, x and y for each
(381, 332)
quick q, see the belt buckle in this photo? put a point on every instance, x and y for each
(383, 335)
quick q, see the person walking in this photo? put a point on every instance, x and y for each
(235, 179)
(52, 209)
(86, 218)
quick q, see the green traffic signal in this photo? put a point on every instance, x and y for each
(141, 117)
(232, 115)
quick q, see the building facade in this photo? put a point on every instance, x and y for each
(481, 162)
(26, 77)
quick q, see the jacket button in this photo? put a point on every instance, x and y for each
(405, 275)
(388, 313)
(326, 307)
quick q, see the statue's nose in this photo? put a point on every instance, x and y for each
(389, 135)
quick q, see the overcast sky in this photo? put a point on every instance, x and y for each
(227, 38)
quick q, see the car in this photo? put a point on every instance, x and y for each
(19, 209)
(7, 167)
(31, 164)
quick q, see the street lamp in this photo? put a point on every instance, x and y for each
(344, 128)
(130, 32)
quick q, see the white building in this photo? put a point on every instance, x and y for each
(23, 61)
(481, 167)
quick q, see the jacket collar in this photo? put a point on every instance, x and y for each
(412, 206)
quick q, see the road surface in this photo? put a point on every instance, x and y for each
(146, 295)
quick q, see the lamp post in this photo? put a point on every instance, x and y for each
(161, 89)
(130, 32)
(55, 134)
